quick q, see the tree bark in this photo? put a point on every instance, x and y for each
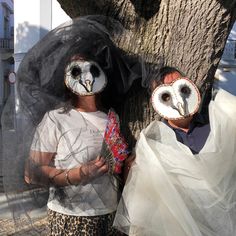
(189, 35)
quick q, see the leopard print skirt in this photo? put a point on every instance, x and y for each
(66, 225)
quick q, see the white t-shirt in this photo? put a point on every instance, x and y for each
(76, 138)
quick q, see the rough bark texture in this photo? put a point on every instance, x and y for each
(189, 35)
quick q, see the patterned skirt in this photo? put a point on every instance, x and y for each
(67, 225)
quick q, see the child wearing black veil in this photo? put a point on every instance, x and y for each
(67, 85)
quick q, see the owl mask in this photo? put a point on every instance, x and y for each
(84, 77)
(177, 100)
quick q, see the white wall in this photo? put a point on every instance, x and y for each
(225, 76)
(33, 20)
(58, 15)
(27, 24)
(229, 57)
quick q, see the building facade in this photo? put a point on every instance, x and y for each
(33, 19)
(6, 48)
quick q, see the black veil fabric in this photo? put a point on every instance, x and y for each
(40, 88)
(41, 73)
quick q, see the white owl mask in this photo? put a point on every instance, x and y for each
(84, 77)
(177, 100)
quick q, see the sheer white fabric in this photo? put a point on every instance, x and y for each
(170, 191)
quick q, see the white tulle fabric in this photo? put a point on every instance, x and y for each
(171, 192)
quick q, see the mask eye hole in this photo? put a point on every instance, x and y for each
(185, 90)
(75, 71)
(94, 71)
(165, 97)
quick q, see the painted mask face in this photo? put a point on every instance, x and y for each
(177, 100)
(84, 77)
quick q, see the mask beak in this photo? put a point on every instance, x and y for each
(87, 84)
(181, 109)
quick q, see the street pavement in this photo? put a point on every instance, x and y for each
(21, 227)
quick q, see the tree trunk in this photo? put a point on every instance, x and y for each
(189, 35)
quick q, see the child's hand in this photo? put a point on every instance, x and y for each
(93, 169)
